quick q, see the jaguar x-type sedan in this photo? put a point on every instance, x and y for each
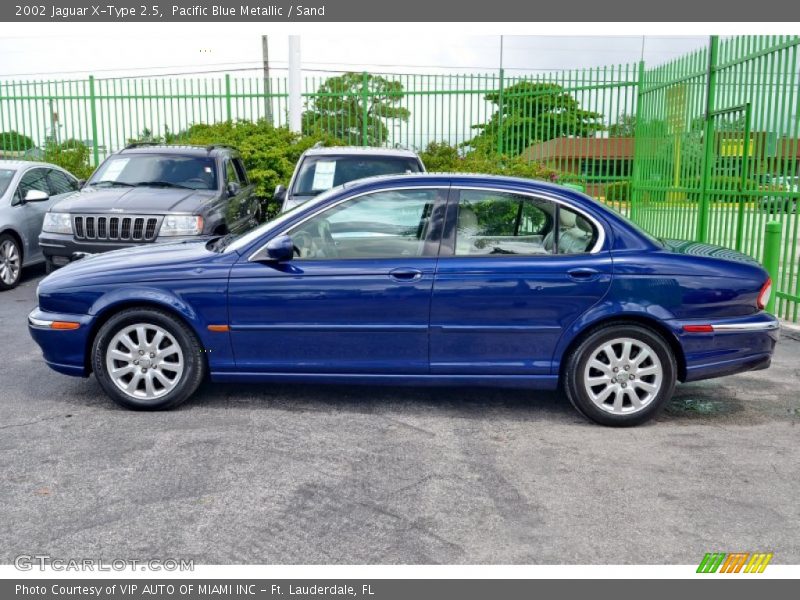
(416, 279)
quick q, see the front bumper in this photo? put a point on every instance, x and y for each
(733, 345)
(63, 248)
(64, 348)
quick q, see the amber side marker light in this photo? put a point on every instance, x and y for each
(64, 325)
(219, 328)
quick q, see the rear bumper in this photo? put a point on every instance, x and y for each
(733, 346)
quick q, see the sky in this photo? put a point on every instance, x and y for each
(105, 53)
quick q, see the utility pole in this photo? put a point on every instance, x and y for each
(295, 94)
(267, 84)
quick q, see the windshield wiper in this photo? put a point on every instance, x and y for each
(162, 184)
(221, 243)
(111, 183)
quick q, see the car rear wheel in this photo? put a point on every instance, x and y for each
(10, 262)
(620, 375)
(145, 359)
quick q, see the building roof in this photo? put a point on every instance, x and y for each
(567, 147)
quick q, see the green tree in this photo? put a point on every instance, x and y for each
(337, 109)
(624, 127)
(16, 141)
(533, 112)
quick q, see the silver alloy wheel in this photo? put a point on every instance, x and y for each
(623, 376)
(144, 361)
(9, 262)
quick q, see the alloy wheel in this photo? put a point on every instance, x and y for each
(9, 262)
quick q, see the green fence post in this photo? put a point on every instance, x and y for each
(500, 115)
(364, 108)
(772, 253)
(708, 141)
(633, 213)
(228, 110)
(93, 117)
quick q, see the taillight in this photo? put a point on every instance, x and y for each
(763, 295)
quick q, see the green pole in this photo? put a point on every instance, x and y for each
(500, 115)
(743, 182)
(635, 175)
(93, 116)
(708, 157)
(772, 253)
(364, 108)
(228, 110)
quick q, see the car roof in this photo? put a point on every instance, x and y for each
(16, 165)
(184, 150)
(361, 151)
(463, 179)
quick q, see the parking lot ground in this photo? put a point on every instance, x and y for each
(313, 474)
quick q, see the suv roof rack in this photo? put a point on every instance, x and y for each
(211, 147)
(140, 144)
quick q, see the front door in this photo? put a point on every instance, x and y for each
(515, 271)
(356, 297)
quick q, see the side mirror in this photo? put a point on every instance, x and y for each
(36, 196)
(278, 249)
(233, 188)
(280, 193)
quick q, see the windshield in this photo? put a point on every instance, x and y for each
(5, 180)
(158, 170)
(236, 243)
(320, 173)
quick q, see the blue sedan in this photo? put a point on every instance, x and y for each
(419, 280)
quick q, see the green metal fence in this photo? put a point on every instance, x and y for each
(704, 147)
(717, 150)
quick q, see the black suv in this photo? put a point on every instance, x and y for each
(151, 193)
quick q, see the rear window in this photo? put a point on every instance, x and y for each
(320, 173)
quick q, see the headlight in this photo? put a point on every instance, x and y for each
(182, 225)
(55, 222)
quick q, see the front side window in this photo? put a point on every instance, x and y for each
(500, 223)
(156, 170)
(230, 172)
(35, 179)
(61, 183)
(390, 224)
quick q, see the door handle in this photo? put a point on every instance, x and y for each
(405, 275)
(583, 274)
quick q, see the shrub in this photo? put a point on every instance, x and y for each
(618, 191)
(439, 157)
(71, 155)
(15, 141)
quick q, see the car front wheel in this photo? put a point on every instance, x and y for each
(145, 359)
(620, 375)
(10, 262)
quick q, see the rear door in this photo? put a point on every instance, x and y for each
(514, 271)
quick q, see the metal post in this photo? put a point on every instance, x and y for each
(228, 111)
(500, 115)
(771, 260)
(295, 93)
(635, 175)
(708, 140)
(364, 108)
(267, 83)
(93, 116)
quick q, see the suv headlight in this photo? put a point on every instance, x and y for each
(174, 225)
(56, 222)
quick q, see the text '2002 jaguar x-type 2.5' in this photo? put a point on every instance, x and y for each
(416, 279)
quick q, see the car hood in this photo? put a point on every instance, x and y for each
(708, 250)
(138, 200)
(149, 262)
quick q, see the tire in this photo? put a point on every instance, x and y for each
(10, 262)
(174, 364)
(628, 396)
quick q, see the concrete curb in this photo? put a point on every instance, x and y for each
(790, 330)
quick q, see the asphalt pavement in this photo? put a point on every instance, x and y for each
(298, 474)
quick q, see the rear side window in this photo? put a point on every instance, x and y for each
(500, 223)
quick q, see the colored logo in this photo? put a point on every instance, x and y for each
(736, 562)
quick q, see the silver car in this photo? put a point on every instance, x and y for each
(27, 191)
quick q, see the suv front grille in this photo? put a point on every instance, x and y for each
(130, 228)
